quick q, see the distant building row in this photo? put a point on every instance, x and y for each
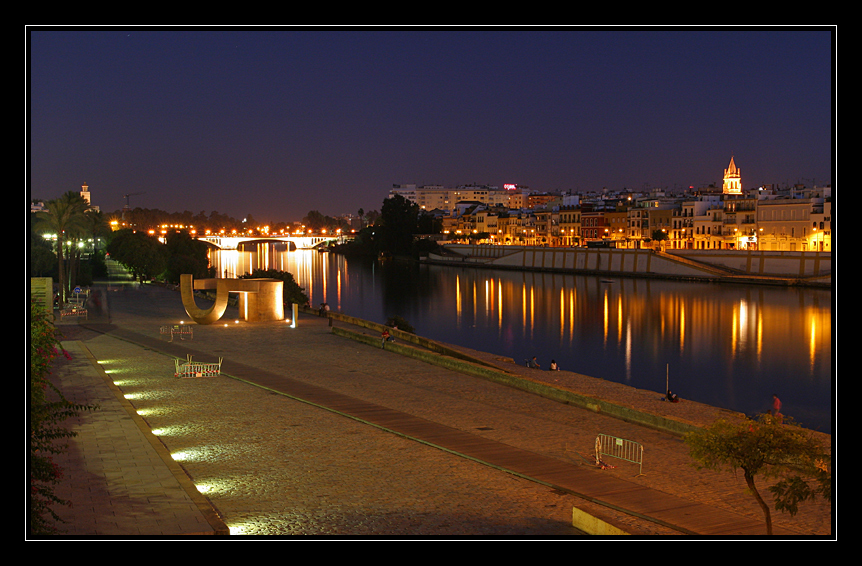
(767, 218)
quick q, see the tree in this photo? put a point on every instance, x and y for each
(186, 255)
(314, 220)
(292, 292)
(770, 448)
(399, 220)
(65, 218)
(143, 255)
(96, 225)
(43, 261)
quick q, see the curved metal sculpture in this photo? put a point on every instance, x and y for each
(260, 299)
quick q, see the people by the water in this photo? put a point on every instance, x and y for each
(553, 366)
(776, 407)
(385, 337)
(533, 363)
(672, 397)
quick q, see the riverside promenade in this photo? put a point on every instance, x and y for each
(309, 432)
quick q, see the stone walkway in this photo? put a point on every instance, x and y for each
(255, 462)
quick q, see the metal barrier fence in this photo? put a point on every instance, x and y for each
(73, 311)
(196, 369)
(621, 448)
(180, 330)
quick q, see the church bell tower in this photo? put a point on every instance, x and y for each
(732, 180)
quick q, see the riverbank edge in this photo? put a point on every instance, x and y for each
(438, 354)
(731, 279)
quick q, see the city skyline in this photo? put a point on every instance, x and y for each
(275, 122)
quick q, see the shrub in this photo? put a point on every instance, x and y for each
(48, 409)
(400, 324)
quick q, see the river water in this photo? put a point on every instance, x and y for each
(729, 346)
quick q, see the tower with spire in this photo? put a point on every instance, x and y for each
(732, 180)
(85, 194)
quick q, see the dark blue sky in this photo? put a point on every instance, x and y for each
(279, 122)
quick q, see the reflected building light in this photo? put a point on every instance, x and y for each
(263, 256)
(605, 316)
(458, 300)
(324, 277)
(532, 310)
(500, 304)
(681, 328)
(743, 323)
(734, 333)
(812, 343)
(619, 318)
(562, 312)
(475, 302)
(628, 350)
(338, 288)
(759, 335)
(524, 305)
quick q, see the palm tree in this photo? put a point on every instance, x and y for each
(64, 217)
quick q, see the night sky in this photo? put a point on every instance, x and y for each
(278, 122)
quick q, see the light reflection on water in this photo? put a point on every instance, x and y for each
(731, 346)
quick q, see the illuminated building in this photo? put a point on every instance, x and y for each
(732, 180)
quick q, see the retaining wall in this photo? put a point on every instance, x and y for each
(767, 263)
(792, 267)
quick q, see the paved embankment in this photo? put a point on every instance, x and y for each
(291, 439)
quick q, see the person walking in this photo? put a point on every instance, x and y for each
(776, 407)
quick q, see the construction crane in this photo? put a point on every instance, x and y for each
(126, 207)
(127, 198)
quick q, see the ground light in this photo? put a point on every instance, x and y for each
(209, 488)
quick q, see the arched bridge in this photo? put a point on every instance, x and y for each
(294, 242)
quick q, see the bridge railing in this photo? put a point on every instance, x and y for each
(231, 242)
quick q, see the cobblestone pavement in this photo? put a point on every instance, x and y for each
(272, 465)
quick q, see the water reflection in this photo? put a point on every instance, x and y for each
(726, 345)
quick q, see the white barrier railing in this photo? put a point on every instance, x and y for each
(196, 369)
(621, 448)
(73, 311)
(180, 330)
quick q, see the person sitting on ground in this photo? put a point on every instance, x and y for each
(533, 363)
(554, 366)
(671, 396)
(386, 337)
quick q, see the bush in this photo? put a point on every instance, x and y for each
(48, 409)
(293, 293)
(400, 324)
